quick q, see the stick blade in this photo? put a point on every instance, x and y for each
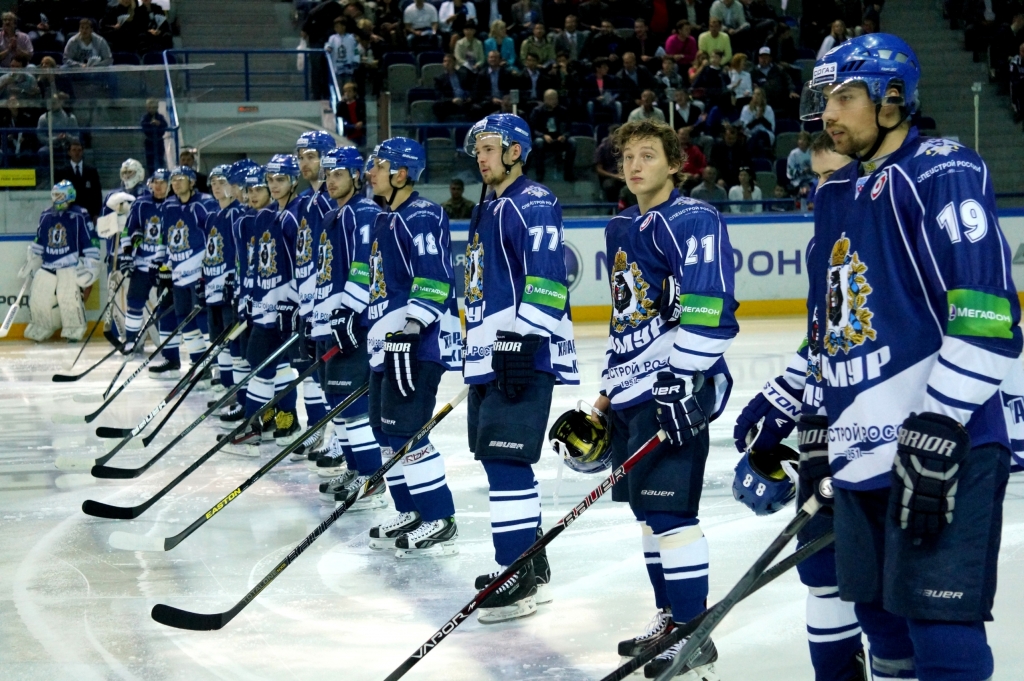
(117, 433)
(183, 619)
(64, 378)
(110, 473)
(67, 419)
(98, 509)
(126, 541)
(87, 398)
(71, 463)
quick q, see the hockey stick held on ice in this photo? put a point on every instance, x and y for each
(12, 313)
(99, 322)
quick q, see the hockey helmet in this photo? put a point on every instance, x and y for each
(132, 173)
(223, 170)
(763, 481)
(878, 61)
(319, 141)
(63, 194)
(510, 128)
(371, 159)
(184, 171)
(256, 176)
(585, 444)
(238, 169)
(161, 175)
(402, 152)
(342, 158)
(284, 164)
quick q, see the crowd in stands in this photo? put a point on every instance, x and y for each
(995, 30)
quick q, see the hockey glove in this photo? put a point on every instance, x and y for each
(775, 409)
(668, 302)
(164, 279)
(679, 413)
(401, 364)
(512, 361)
(343, 323)
(814, 470)
(930, 450)
(287, 314)
(126, 264)
(200, 290)
(227, 292)
(307, 348)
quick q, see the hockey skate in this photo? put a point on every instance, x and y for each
(384, 535)
(288, 428)
(314, 441)
(268, 422)
(203, 384)
(314, 454)
(513, 599)
(701, 669)
(330, 463)
(373, 499)
(541, 570)
(231, 415)
(661, 625)
(429, 540)
(246, 443)
(166, 371)
(329, 489)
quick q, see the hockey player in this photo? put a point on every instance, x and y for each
(912, 326)
(184, 238)
(673, 317)
(64, 259)
(111, 226)
(342, 290)
(219, 265)
(519, 345)
(414, 337)
(833, 635)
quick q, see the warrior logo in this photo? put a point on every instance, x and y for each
(268, 256)
(57, 236)
(848, 319)
(324, 257)
(177, 237)
(474, 270)
(303, 244)
(151, 235)
(629, 295)
(214, 248)
(378, 289)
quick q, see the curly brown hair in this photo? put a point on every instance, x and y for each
(647, 129)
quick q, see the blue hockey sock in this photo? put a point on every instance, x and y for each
(261, 391)
(684, 562)
(285, 374)
(951, 651)
(892, 652)
(224, 367)
(423, 468)
(515, 508)
(833, 634)
(313, 398)
(239, 368)
(652, 557)
(395, 477)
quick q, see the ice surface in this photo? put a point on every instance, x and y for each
(73, 607)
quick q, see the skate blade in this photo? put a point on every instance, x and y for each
(311, 466)
(523, 608)
(167, 376)
(382, 544)
(543, 595)
(435, 551)
(67, 419)
(248, 451)
(285, 441)
(327, 498)
(367, 504)
(87, 398)
(704, 673)
(329, 472)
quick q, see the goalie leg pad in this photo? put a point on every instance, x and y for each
(42, 305)
(72, 310)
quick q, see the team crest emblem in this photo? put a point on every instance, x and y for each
(937, 147)
(267, 265)
(629, 295)
(325, 255)
(214, 248)
(303, 244)
(378, 289)
(534, 190)
(474, 270)
(152, 231)
(647, 221)
(876, 191)
(57, 236)
(847, 319)
(177, 237)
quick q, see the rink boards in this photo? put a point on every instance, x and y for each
(768, 253)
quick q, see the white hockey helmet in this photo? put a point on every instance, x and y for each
(132, 173)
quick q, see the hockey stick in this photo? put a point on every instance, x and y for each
(684, 630)
(99, 322)
(700, 635)
(9, 319)
(527, 555)
(131, 542)
(183, 619)
(101, 471)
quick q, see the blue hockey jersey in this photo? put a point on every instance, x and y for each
(686, 238)
(185, 238)
(516, 280)
(911, 306)
(273, 261)
(411, 276)
(219, 258)
(343, 256)
(312, 207)
(244, 230)
(145, 220)
(65, 237)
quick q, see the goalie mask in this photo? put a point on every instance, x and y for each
(765, 481)
(585, 444)
(63, 195)
(132, 173)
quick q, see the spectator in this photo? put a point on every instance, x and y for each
(686, 114)
(1005, 46)
(699, 63)
(388, 24)
(642, 44)
(746, 190)
(783, 45)
(606, 44)
(42, 21)
(714, 81)
(606, 165)
(555, 12)
(355, 11)
(19, 148)
(421, 23)
(48, 82)
(492, 87)
(778, 87)
(591, 14)
(371, 47)
(469, 51)
(758, 122)
(155, 35)
(798, 164)
(84, 177)
(64, 124)
(696, 12)
(565, 81)
(647, 110)
(734, 20)
(550, 125)
(453, 88)
(681, 46)
(533, 83)
(188, 157)
(668, 78)
(20, 83)
(121, 27)
(351, 110)
(539, 44)
(633, 80)
(500, 42)
(14, 43)
(86, 49)
(739, 80)
(574, 42)
(153, 125)
(838, 35)
(458, 207)
(778, 194)
(601, 93)
(708, 190)
(1017, 85)
(343, 51)
(729, 155)
(525, 13)
(693, 161)
(714, 39)
(452, 17)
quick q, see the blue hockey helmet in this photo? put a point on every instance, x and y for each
(238, 169)
(402, 152)
(184, 171)
(342, 158)
(161, 175)
(583, 442)
(878, 61)
(223, 170)
(510, 128)
(317, 140)
(762, 482)
(371, 159)
(284, 164)
(256, 176)
(63, 194)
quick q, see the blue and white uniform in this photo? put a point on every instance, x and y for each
(184, 237)
(219, 265)
(65, 238)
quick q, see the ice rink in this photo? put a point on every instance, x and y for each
(72, 607)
